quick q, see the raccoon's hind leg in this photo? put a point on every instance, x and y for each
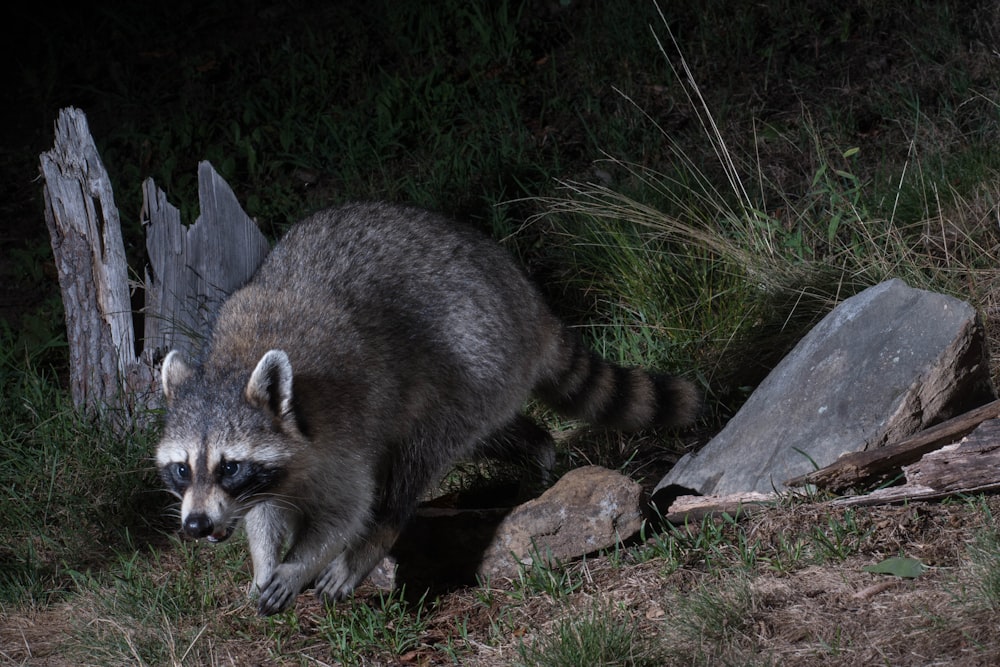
(524, 443)
(409, 470)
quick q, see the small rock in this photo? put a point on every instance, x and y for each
(443, 546)
(589, 509)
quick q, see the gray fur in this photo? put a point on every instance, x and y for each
(375, 346)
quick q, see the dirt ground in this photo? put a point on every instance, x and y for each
(776, 612)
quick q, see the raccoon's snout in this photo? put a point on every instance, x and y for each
(199, 526)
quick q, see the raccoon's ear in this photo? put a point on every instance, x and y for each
(173, 374)
(270, 385)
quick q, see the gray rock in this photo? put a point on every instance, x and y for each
(882, 365)
(588, 509)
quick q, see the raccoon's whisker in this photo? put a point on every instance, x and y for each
(284, 501)
(240, 514)
(250, 499)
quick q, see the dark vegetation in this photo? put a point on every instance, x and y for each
(852, 142)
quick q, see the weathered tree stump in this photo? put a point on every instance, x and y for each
(89, 254)
(191, 271)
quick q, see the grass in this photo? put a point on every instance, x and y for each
(363, 630)
(984, 554)
(717, 612)
(692, 198)
(599, 637)
(58, 519)
(545, 575)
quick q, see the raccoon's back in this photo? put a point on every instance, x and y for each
(414, 316)
(400, 295)
(365, 249)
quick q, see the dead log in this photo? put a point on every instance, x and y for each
(972, 463)
(687, 509)
(861, 467)
(967, 467)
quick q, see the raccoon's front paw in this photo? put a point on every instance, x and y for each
(337, 580)
(277, 594)
(343, 574)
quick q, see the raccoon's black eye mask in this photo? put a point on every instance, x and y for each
(176, 477)
(243, 478)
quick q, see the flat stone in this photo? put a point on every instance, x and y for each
(882, 365)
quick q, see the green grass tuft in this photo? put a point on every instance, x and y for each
(598, 637)
(359, 630)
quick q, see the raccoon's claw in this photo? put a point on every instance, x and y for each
(345, 572)
(336, 582)
(275, 597)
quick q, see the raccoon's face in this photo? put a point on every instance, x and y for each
(221, 454)
(216, 489)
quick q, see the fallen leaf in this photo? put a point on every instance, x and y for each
(907, 568)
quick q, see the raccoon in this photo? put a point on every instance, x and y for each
(375, 346)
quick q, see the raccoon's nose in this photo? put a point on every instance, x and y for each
(198, 526)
